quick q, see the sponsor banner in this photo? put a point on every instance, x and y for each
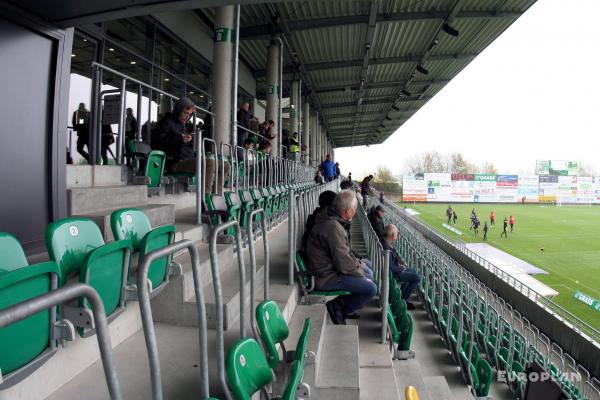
(567, 189)
(463, 177)
(542, 167)
(485, 177)
(462, 191)
(485, 191)
(507, 188)
(414, 188)
(438, 186)
(585, 189)
(528, 189)
(590, 301)
(556, 167)
(507, 181)
(548, 178)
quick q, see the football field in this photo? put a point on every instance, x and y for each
(568, 235)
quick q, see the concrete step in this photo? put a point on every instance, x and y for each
(437, 388)
(338, 376)
(173, 305)
(82, 200)
(378, 384)
(408, 373)
(96, 175)
(158, 214)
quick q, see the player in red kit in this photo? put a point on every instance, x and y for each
(492, 217)
(511, 221)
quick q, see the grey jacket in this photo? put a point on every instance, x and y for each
(328, 252)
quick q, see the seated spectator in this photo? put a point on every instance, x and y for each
(330, 259)
(327, 168)
(325, 200)
(243, 120)
(407, 277)
(319, 178)
(170, 136)
(266, 130)
(376, 219)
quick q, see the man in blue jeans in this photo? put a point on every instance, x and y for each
(332, 262)
(407, 277)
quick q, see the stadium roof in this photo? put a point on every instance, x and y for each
(368, 65)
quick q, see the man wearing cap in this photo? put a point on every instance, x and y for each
(408, 278)
(376, 220)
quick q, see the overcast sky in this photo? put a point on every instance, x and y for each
(534, 93)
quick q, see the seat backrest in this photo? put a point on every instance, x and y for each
(296, 375)
(247, 369)
(131, 224)
(273, 329)
(12, 255)
(155, 167)
(103, 270)
(157, 238)
(302, 344)
(70, 240)
(302, 267)
(135, 146)
(233, 198)
(23, 341)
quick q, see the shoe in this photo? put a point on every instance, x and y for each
(335, 312)
(410, 306)
(353, 316)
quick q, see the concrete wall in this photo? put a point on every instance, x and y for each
(582, 349)
(190, 28)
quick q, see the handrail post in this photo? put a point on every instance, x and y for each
(385, 287)
(147, 321)
(291, 238)
(253, 264)
(120, 142)
(199, 180)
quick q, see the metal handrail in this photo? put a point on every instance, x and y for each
(20, 311)
(216, 277)
(580, 326)
(266, 272)
(148, 324)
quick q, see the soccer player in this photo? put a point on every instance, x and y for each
(505, 225)
(449, 214)
(511, 222)
(454, 216)
(485, 229)
(492, 218)
(476, 226)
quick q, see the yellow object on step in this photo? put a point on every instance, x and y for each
(411, 393)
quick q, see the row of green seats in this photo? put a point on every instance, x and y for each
(76, 249)
(249, 370)
(400, 322)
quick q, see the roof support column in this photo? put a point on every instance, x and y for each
(313, 137)
(306, 131)
(223, 73)
(274, 90)
(295, 106)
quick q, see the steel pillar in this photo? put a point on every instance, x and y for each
(223, 73)
(273, 111)
(306, 128)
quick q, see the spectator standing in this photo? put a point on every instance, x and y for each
(327, 168)
(365, 190)
(449, 214)
(294, 153)
(81, 125)
(382, 197)
(330, 259)
(337, 170)
(407, 277)
(243, 120)
(131, 125)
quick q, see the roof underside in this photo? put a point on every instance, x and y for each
(358, 59)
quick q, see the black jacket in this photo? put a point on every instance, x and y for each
(397, 264)
(167, 136)
(377, 224)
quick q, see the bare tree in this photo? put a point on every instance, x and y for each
(488, 168)
(384, 174)
(429, 161)
(460, 165)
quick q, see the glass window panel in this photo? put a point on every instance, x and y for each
(169, 54)
(134, 33)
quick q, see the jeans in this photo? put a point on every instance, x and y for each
(368, 271)
(362, 288)
(409, 279)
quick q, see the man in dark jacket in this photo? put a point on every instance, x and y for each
(407, 277)
(243, 119)
(330, 259)
(376, 220)
(170, 136)
(365, 190)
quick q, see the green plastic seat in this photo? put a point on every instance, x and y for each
(304, 279)
(296, 375)
(218, 211)
(147, 162)
(484, 374)
(133, 224)
(274, 330)
(247, 368)
(77, 246)
(27, 344)
(246, 208)
(234, 204)
(12, 255)
(259, 201)
(405, 329)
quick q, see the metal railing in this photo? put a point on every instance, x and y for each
(575, 322)
(380, 260)
(143, 287)
(253, 268)
(451, 283)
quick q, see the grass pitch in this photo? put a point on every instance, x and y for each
(569, 235)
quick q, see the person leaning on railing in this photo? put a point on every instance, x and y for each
(407, 277)
(332, 262)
